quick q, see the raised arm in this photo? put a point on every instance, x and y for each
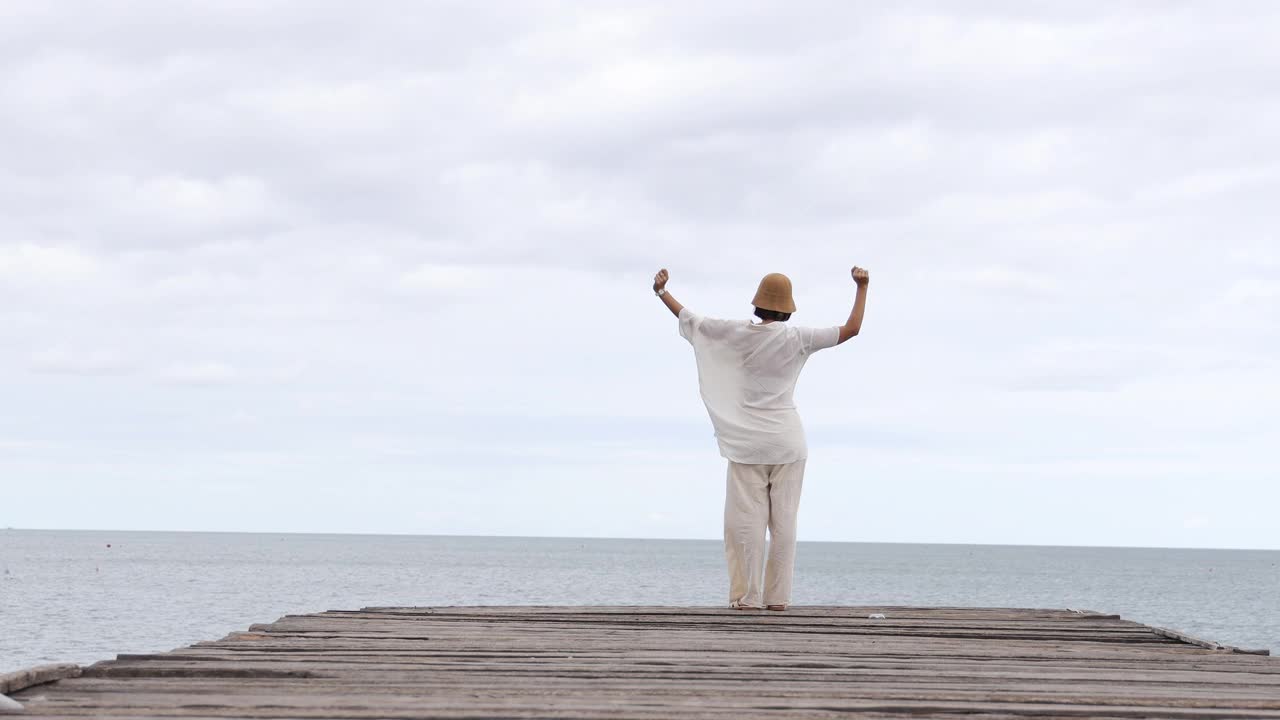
(854, 324)
(660, 287)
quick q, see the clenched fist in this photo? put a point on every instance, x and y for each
(860, 276)
(660, 280)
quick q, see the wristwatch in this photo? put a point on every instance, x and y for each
(660, 292)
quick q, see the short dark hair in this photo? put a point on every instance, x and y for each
(772, 315)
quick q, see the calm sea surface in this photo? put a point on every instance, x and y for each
(69, 596)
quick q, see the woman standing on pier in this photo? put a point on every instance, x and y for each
(747, 374)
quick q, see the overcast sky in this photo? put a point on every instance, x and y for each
(301, 267)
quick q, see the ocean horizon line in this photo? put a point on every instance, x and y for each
(629, 538)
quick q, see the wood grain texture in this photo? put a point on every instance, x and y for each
(663, 662)
(12, 682)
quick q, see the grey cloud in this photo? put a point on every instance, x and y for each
(64, 361)
(334, 224)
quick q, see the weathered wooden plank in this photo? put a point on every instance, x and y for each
(824, 610)
(305, 692)
(420, 653)
(694, 641)
(306, 697)
(484, 705)
(173, 695)
(1209, 644)
(817, 683)
(415, 629)
(12, 682)
(742, 619)
(687, 662)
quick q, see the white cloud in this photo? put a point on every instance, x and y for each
(201, 374)
(1196, 522)
(1249, 303)
(1208, 183)
(177, 202)
(30, 263)
(446, 278)
(65, 361)
(1265, 257)
(388, 239)
(1009, 207)
(996, 279)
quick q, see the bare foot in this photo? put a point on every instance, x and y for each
(777, 608)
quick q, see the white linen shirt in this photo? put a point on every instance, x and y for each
(747, 375)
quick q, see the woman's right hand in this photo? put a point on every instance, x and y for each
(860, 276)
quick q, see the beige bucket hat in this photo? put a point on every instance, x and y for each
(775, 294)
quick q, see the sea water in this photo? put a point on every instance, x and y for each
(83, 596)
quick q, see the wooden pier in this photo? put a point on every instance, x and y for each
(656, 662)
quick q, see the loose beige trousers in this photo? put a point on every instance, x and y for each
(759, 497)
